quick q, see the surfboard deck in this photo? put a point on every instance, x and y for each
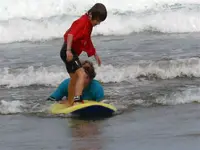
(88, 108)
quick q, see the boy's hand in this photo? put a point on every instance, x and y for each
(69, 55)
(98, 60)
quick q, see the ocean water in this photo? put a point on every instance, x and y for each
(150, 71)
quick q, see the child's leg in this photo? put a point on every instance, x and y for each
(77, 74)
(71, 88)
(79, 82)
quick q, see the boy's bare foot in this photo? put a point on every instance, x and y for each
(65, 102)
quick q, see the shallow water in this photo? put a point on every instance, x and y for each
(150, 71)
(150, 78)
(164, 127)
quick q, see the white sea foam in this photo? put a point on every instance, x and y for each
(188, 96)
(54, 75)
(11, 107)
(22, 20)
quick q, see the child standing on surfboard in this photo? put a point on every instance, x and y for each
(77, 39)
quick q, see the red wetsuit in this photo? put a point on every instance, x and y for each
(81, 30)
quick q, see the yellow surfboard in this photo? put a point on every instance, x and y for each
(88, 108)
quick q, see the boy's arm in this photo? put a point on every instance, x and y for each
(74, 32)
(61, 91)
(91, 51)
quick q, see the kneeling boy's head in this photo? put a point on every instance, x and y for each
(98, 13)
(89, 70)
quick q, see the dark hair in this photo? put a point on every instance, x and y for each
(98, 11)
(89, 70)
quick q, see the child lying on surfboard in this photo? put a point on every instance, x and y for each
(77, 39)
(93, 90)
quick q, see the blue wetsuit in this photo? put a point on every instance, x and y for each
(94, 91)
